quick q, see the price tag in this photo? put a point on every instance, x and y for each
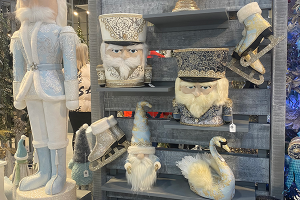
(232, 128)
(86, 173)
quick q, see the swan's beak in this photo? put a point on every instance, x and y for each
(226, 147)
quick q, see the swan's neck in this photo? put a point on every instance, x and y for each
(218, 158)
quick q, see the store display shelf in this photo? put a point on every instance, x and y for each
(241, 122)
(171, 188)
(189, 20)
(159, 87)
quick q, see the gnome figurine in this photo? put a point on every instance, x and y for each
(79, 164)
(141, 164)
(123, 51)
(21, 165)
(294, 165)
(201, 89)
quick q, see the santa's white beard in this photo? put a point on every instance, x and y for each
(143, 174)
(197, 105)
(43, 14)
(123, 65)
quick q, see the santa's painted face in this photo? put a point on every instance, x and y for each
(125, 59)
(199, 97)
(52, 4)
(143, 173)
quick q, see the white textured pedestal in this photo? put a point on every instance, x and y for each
(68, 193)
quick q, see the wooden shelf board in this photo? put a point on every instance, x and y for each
(157, 88)
(189, 20)
(171, 189)
(241, 122)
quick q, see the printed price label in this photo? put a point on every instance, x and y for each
(232, 128)
(86, 173)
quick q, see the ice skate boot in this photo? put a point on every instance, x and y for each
(256, 28)
(256, 65)
(121, 137)
(106, 149)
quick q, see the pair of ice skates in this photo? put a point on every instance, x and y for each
(110, 142)
(256, 29)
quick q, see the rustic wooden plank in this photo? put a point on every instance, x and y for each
(245, 101)
(165, 69)
(279, 63)
(258, 136)
(162, 6)
(97, 109)
(171, 188)
(250, 169)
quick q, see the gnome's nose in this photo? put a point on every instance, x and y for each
(197, 93)
(140, 156)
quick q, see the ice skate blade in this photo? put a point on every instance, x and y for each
(244, 75)
(253, 57)
(102, 161)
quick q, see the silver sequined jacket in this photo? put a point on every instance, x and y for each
(38, 49)
(215, 116)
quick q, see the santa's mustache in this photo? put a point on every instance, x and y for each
(124, 65)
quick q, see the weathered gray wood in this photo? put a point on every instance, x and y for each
(241, 122)
(279, 63)
(245, 101)
(172, 189)
(165, 69)
(96, 103)
(258, 136)
(158, 88)
(163, 6)
(189, 20)
(250, 169)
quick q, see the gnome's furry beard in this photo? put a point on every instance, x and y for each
(123, 65)
(200, 105)
(143, 174)
(35, 14)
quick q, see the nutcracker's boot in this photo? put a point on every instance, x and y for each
(105, 150)
(42, 176)
(58, 179)
(256, 28)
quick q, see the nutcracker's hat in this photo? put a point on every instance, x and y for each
(201, 64)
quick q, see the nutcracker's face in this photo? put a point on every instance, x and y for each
(124, 59)
(294, 151)
(199, 97)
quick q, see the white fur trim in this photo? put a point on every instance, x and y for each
(16, 88)
(34, 14)
(23, 137)
(112, 121)
(20, 105)
(15, 40)
(72, 105)
(40, 144)
(248, 10)
(127, 165)
(24, 86)
(71, 90)
(85, 126)
(158, 164)
(100, 126)
(21, 158)
(58, 145)
(144, 150)
(88, 130)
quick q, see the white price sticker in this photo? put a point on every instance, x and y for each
(232, 128)
(86, 173)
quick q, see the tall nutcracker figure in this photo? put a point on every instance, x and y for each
(40, 85)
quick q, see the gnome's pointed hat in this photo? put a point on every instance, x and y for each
(81, 148)
(21, 153)
(140, 141)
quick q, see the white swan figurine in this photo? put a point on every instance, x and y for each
(209, 175)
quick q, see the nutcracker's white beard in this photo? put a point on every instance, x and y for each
(43, 14)
(124, 66)
(143, 174)
(200, 105)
